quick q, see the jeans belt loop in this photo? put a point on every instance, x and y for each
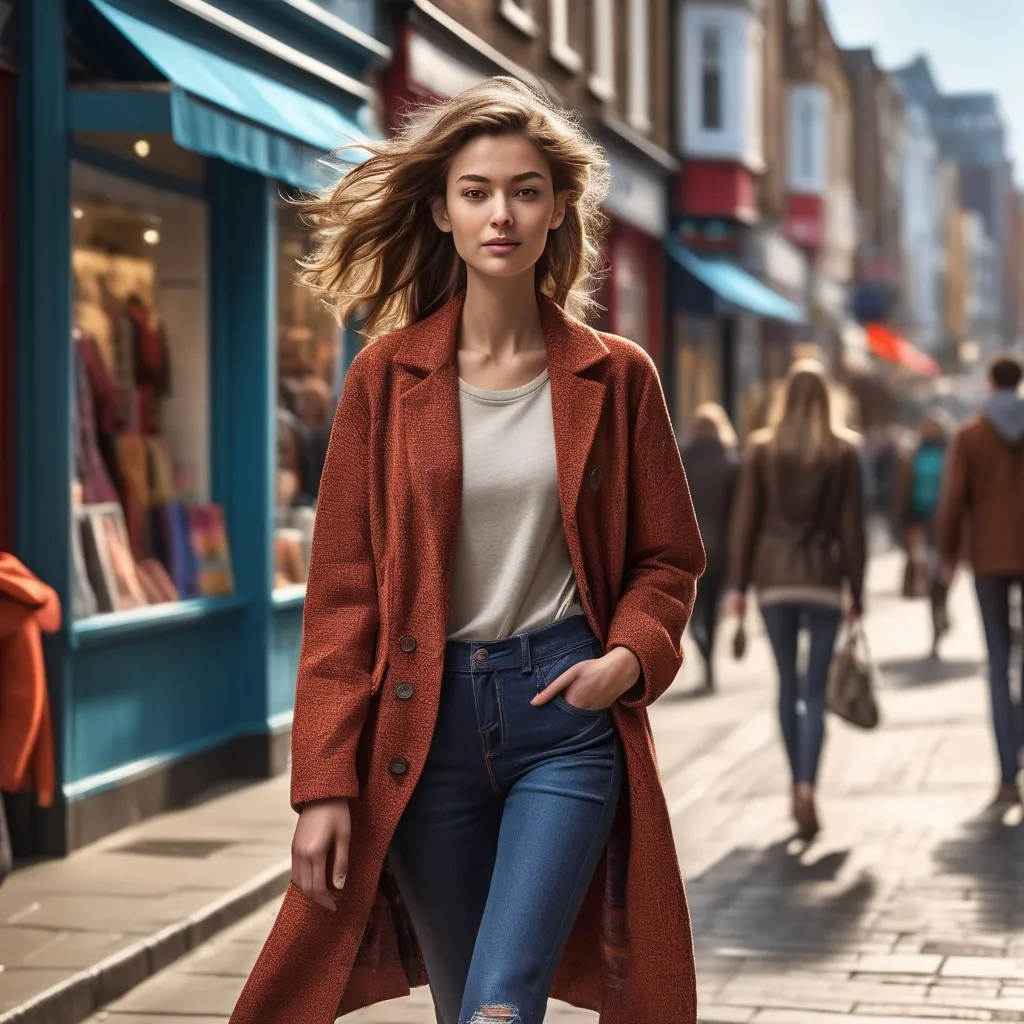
(524, 643)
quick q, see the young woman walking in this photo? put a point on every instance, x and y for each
(504, 561)
(712, 469)
(798, 537)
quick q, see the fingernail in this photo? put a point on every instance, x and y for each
(339, 882)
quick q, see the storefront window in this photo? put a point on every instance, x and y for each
(698, 366)
(309, 347)
(144, 531)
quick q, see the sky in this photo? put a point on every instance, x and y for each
(973, 46)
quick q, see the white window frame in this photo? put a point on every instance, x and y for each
(740, 137)
(602, 79)
(562, 51)
(520, 17)
(809, 139)
(639, 111)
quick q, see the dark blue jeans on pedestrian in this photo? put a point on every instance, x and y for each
(501, 837)
(802, 700)
(1007, 713)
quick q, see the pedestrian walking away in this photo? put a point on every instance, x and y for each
(798, 538)
(919, 485)
(500, 580)
(712, 469)
(984, 491)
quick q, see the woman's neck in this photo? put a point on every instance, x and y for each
(501, 316)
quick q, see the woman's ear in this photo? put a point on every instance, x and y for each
(558, 214)
(439, 209)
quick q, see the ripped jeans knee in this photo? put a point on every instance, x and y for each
(495, 1013)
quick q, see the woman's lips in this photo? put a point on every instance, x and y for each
(501, 248)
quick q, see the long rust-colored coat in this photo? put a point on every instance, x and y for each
(376, 615)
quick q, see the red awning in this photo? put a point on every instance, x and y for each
(888, 345)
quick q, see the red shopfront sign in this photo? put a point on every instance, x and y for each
(804, 223)
(709, 188)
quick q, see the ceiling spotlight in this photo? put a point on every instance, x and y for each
(142, 148)
(151, 236)
(78, 213)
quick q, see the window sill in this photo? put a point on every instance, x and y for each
(566, 57)
(112, 627)
(290, 597)
(519, 19)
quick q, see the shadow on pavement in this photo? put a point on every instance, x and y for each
(922, 671)
(771, 902)
(988, 852)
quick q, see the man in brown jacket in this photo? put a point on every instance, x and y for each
(985, 487)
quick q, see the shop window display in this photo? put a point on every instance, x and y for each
(309, 381)
(144, 532)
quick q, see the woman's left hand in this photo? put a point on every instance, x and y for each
(594, 684)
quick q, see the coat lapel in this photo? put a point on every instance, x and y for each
(427, 354)
(576, 404)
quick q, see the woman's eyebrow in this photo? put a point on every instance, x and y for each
(482, 180)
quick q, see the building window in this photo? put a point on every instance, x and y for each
(639, 65)
(806, 130)
(809, 136)
(711, 79)
(562, 51)
(602, 79)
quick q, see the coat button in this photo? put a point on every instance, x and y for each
(403, 691)
(481, 654)
(398, 766)
(595, 478)
(408, 644)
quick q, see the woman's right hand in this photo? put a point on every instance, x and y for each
(319, 846)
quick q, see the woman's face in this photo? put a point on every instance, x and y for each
(499, 205)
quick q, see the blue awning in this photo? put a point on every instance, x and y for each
(734, 285)
(222, 109)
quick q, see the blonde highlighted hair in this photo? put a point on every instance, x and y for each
(711, 420)
(804, 426)
(379, 253)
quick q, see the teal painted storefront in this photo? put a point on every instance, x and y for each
(152, 705)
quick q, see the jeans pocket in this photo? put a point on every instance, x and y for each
(551, 668)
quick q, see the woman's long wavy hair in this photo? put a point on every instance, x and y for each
(805, 430)
(379, 253)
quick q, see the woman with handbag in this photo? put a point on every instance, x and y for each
(504, 559)
(712, 469)
(798, 537)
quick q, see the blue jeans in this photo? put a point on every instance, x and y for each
(501, 837)
(1007, 713)
(803, 728)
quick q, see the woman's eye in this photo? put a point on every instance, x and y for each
(528, 192)
(473, 193)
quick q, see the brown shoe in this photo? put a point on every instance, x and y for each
(804, 812)
(1006, 796)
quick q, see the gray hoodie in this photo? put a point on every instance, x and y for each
(1005, 412)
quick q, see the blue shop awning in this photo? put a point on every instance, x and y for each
(222, 109)
(734, 285)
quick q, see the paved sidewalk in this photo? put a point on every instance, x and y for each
(909, 906)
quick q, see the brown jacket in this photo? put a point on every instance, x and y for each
(796, 528)
(984, 489)
(376, 616)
